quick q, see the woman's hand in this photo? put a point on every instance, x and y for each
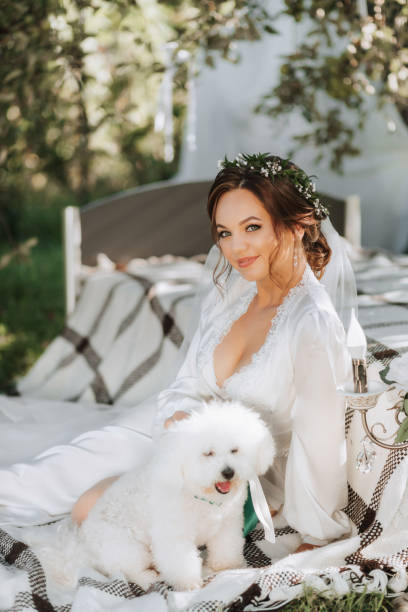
(306, 546)
(179, 415)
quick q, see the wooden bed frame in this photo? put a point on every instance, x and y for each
(157, 219)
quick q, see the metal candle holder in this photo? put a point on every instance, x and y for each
(366, 401)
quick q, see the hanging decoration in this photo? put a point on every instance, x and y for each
(362, 8)
(192, 107)
(164, 114)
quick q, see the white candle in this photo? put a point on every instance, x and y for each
(357, 345)
(356, 340)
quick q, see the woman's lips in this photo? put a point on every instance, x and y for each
(246, 261)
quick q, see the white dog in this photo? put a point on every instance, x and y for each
(151, 521)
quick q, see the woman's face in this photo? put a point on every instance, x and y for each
(246, 235)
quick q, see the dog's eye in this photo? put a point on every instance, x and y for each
(209, 454)
(234, 450)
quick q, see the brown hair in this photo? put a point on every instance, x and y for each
(285, 205)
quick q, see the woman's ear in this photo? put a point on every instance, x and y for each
(299, 232)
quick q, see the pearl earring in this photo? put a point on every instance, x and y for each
(295, 257)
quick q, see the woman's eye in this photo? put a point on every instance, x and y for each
(209, 454)
(253, 227)
(234, 450)
(223, 234)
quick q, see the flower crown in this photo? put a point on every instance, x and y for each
(272, 166)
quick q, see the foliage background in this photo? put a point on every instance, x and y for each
(351, 54)
(79, 82)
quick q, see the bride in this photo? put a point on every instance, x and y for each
(268, 335)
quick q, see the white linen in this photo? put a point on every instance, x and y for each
(44, 487)
(377, 501)
(291, 381)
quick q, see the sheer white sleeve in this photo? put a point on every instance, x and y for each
(187, 391)
(316, 480)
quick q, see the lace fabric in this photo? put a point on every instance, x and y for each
(231, 315)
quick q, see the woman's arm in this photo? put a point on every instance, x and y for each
(186, 393)
(316, 478)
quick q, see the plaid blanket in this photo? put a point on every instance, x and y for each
(122, 338)
(92, 359)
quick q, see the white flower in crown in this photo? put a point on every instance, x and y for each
(276, 167)
(220, 164)
(284, 168)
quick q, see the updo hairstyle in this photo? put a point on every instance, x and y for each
(287, 209)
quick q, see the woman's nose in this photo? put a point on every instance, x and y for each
(239, 244)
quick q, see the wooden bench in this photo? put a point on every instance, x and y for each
(157, 219)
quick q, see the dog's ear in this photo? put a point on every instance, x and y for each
(265, 452)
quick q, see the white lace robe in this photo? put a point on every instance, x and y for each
(292, 382)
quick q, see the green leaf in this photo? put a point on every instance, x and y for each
(12, 75)
(405, 404)
(402, 433)
(209, 61)
(384, 374)
(268, 28)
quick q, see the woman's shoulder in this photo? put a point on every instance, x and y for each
(315, 313)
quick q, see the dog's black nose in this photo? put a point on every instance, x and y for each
(228, 473)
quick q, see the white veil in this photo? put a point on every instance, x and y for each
(338, 278)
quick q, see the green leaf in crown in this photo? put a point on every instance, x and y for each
(273, 167)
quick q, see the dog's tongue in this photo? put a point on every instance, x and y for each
(223, 486)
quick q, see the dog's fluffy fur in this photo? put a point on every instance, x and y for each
(150, 522)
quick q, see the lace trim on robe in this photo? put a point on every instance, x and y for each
(234, 312)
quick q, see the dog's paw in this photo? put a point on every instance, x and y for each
(187, 585)
(218, 565)
(146, 578)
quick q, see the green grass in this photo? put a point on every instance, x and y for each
(31, 310)
(31, 290)
(352, 602)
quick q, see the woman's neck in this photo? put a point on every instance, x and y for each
(271, 294)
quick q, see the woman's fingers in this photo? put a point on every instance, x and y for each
(177, 416)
